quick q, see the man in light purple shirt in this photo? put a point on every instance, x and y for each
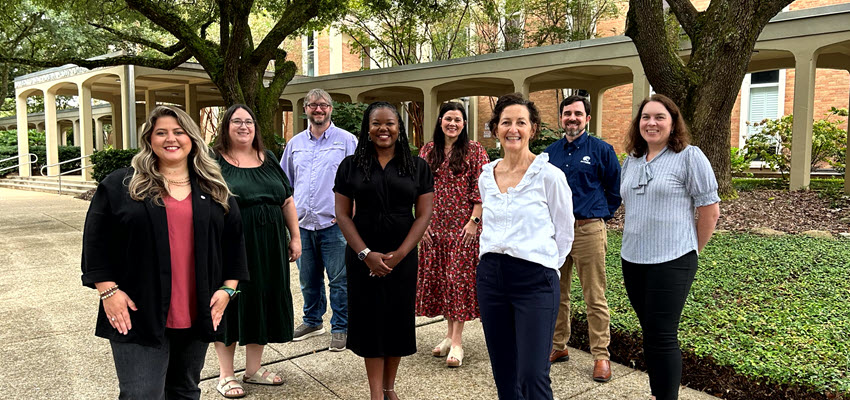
(310, 161)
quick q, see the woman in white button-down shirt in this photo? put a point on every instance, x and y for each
(527, 233)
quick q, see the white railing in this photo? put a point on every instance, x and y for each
(33, 159)
(66, 172)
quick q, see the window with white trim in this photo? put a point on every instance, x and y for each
(308, 63)
(762, 97)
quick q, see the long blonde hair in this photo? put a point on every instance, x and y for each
(148, 182)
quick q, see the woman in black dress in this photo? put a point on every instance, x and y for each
(384, 181)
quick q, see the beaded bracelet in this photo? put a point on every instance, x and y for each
(108, 290)
(108, 295)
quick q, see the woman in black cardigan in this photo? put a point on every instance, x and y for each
(163, 246)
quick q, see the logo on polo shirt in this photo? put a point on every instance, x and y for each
(585, 160)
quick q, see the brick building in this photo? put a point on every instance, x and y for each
(764, 94)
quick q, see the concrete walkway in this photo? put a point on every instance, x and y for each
(50, 352)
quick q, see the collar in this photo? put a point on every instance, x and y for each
(578, 143)
(324, 134)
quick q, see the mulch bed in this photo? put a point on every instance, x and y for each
(789, 212)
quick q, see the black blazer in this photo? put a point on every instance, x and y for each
(126, 241)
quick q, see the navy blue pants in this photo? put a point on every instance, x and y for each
(658, 293)
(519, 305)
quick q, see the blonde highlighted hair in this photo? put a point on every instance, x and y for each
(148, 182)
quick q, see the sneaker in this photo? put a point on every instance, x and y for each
(338, 340)
(305, 331)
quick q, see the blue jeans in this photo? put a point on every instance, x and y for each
(170, 372)
(519, 305)
(323, 250)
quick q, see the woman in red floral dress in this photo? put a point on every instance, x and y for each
(448, 254)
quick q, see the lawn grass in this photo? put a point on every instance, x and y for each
(775, 310)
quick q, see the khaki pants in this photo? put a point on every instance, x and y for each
(588, 256)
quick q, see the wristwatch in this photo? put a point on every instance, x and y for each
(475, 219)
(362, 255)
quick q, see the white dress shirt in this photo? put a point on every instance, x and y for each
(532, 221)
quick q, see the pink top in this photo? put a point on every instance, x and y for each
(181, 237)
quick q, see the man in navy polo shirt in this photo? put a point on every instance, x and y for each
(593, 172)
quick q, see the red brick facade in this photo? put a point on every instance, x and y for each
(832, 87)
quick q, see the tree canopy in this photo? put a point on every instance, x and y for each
(221, 35)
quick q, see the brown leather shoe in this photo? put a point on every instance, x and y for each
(602, 370)
(559, 355)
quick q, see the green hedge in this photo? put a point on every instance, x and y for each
(65, 153)
(106, 161)
(816, 184)
(773, 309)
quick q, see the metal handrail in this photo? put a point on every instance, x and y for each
(33, 159)
(66, 172)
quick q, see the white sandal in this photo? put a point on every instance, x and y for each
(442, 349)
(259, 379)
(224, 387)
(456, 353)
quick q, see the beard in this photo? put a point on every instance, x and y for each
(573, 132)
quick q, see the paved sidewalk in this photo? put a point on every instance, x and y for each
(50, 351)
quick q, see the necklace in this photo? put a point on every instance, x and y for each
(181, 182)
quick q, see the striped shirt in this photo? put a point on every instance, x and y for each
(660, 197)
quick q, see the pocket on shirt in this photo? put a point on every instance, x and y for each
(330, 157)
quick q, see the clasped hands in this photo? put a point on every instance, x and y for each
(381, 264)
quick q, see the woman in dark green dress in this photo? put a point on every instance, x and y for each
(383, 181)
(262, 312)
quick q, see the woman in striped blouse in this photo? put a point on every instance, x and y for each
(664, 181)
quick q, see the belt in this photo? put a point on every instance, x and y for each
(580, 222)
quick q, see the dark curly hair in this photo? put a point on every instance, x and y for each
(680, 137)
(512, 100)
(460, 148)
(365, 154)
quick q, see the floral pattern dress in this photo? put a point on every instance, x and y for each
(446, 283)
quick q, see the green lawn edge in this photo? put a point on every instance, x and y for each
(776, 309)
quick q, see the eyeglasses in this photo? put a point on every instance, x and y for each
(238, 122)
(323, 106)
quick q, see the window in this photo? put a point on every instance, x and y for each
(309, 54)
(762, 97)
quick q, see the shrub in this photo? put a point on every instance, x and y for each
(349, 116)
(106, 161)
(740, 162)
(829, 142)
(65, 153)
(10, 138)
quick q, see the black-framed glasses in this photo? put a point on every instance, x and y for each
(323, 106)
(238, 122)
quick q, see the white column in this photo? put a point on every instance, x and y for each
(23, 136)
(640, 88)
(596, 97)
(429, 114)
(846, 170)
(85, 130)
(150, 102)
(128, 107)
(472, 119)
(191, 101)
(117, 126)
(76, 127)
(801, 130)
(98, 133)
(523, 87)
(51, 131)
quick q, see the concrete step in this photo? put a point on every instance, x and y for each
(46, 189)
(71, 186)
